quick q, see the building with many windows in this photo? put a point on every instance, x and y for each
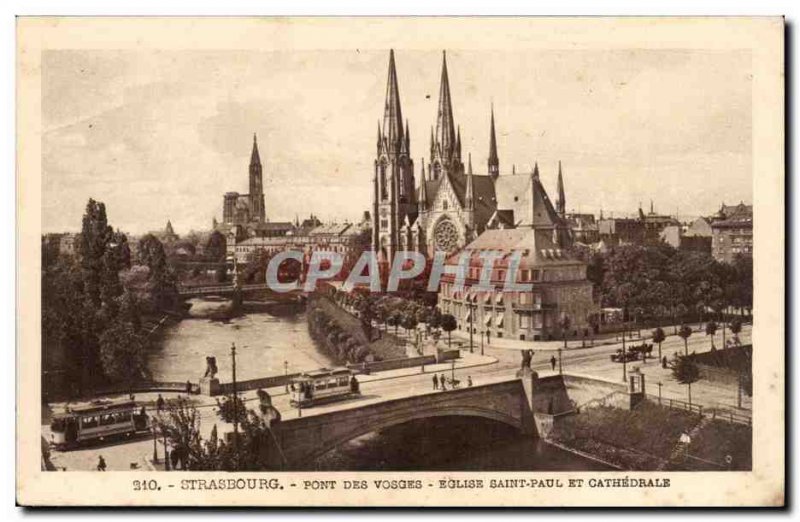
(732, 232)
(559, 285)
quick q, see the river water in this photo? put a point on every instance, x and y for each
(278, 333)
(263, 340)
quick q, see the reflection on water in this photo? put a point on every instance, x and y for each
(264, 340)
(451, 444)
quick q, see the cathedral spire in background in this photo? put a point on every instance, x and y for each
(494, 161)
(561, 202)
(422, 198)
(255, 159)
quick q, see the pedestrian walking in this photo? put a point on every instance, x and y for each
(469, 380)
(553, 362)
(443, 383)
(101, 464)
(159, 403)
(664, 362)
(188, 387)
(435, 382)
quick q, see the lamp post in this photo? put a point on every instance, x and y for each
(166, 453)
(155, 439)
(286, 375)
(235, 409)
(453, 370)
(624, 354)
(560, 371)
(659, 392)
(472, 306)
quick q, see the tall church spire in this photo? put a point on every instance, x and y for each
(422, 198)
(445, 126)
(256, 195)
(392, 115)
(561, 203)
(255, 159)
(494, 162)
(470, 191)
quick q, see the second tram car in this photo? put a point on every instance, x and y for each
(323, 385)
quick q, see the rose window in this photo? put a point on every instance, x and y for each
(446, 236)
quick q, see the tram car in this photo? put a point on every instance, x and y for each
(96, 421)
(323, 386)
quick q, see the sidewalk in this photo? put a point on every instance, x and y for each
(575, 344)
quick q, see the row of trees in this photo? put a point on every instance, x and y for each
(332, 338)
(92, 325)
(658, 284)
(395, 312)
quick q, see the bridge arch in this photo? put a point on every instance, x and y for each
(330, 443)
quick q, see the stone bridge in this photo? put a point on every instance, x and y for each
(527, 403)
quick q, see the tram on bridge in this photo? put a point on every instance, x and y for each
(323, 386)
(95, 421)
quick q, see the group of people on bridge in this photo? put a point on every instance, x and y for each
(442, 382)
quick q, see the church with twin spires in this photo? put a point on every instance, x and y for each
(450, 204)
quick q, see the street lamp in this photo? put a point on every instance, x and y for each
(286, 375)
(453, 370)
(166, 453)
(472, 306)
(560, 371)
(155, 439)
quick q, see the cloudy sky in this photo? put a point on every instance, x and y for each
(162, 135)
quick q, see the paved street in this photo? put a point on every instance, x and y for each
(498, 364)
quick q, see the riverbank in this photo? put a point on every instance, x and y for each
(323, 314)
(650, 437)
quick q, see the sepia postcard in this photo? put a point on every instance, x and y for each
(363, 261)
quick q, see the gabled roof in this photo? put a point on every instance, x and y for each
(502, 217)
(536, 245)
(483, 193)
(526, 196)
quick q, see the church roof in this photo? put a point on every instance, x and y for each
(483, 193)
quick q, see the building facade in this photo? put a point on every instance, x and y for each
(732, 232)
(347, 239)
(559, 288)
